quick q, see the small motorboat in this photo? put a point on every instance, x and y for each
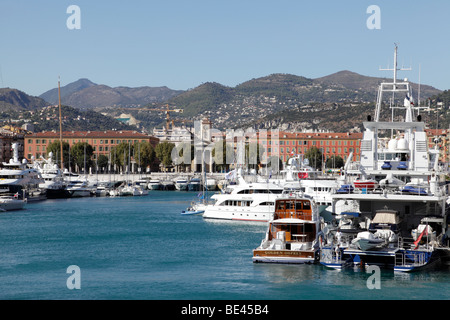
(415, 190)
(9, 203)
(369, 184)
(192, 212)
(391, 182)
(367, 241)
(345, 188)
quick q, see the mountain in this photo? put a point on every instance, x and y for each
(85, 94)
(13, 99)
(354, 81)
(51, 96)
(203, 98)
(278, 98)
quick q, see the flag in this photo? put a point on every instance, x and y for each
(302, 175)
(231, 175)
(410, 99)
(424, 232)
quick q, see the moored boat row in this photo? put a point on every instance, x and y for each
(393, 214)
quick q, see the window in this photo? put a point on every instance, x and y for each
(30, 141)
(306, 205)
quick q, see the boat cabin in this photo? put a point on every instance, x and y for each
(293, 221)
(293, 208)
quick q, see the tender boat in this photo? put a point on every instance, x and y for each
(369, 184)
(11, 202)
(292, 236)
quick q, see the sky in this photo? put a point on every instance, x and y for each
(182, 44)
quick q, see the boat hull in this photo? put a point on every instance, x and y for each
(12, 205)
(57, 194)
(285, 256)
(192, 212)
(254, 214)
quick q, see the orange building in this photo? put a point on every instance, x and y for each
(286, 144)
(102, 141)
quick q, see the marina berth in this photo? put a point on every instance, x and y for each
(402, 220)
(292, 236)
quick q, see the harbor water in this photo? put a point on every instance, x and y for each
(143, 248)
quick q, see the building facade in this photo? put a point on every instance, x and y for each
(286, 144)
(36, 144)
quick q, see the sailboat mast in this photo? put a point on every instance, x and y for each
(60, 125)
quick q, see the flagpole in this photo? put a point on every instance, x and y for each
(60, 125)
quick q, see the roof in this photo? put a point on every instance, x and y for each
(314, 135)
(92, 134)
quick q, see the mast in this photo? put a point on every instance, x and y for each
(394, 86)
(60, 125)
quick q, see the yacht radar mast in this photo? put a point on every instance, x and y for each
(394, 87)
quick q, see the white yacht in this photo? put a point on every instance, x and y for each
(245, 201)
(132, 190)
(78, 186)
(16, 176)
(54, 184)
(392, 214)
(154, 184)
(181, 184)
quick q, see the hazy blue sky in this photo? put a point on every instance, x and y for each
(180, 43)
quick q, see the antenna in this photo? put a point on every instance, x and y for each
(393, 87)
(418, 98)
(395, 69)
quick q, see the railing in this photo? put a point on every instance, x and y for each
(410, 258)
(330, 255)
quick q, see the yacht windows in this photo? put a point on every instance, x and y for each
(251, 191)
(235, 203)
(393, 156)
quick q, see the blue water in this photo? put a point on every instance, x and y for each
(143, 248)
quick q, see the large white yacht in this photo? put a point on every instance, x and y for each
(17, 176)
(54, 184)
(403, 224)
(245, 201)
